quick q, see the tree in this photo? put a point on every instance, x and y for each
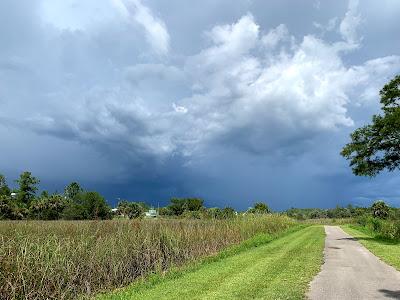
(27, 188)
(4, 189)
(380, 209)
(95, 206)
(260, 208)
(376, 146)
(135, 210)
(44, 194)
(165, 211)
(7, 207)
(72, 190)
(10, 210)
(214, 213)
(132, 210)
(73, 211)
(87, 206)
(48, 208)
(193, 204)
(228, 212)
(179, 205)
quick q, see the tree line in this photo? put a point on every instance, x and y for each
(379, 209)
(190, 208)
(75, 203)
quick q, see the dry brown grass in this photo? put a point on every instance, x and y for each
(64, 259)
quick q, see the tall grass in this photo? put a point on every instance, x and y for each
(65, 259)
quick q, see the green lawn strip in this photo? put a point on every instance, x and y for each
(387, 250)
(174, 273)
(280, 269)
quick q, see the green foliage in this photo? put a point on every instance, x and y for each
(187, 214)
(75, 204)
(4, 189)
(380, 209)
(333, 213)
(48, 207)
(95, 206)
(228, 212)
(217, 213)
(74, 211)
(7, 208)
(214, 213)
(87, 206)
(376, 146)
(165, 211)
(72, 191)
(27, 188)
(44, 194)
(382, 221)
(132, 210)
(179, 205)
(259, 208)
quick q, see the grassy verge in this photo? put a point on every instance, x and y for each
(280, 269)
(67, 259)
(387, 250)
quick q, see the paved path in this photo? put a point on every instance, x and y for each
(352, 272)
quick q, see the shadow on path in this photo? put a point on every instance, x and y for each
(390, 294)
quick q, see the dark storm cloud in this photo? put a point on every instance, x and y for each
(235, 103)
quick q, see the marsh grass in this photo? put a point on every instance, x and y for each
(67, 259)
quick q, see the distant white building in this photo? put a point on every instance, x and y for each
(152, 213)
(13, 195)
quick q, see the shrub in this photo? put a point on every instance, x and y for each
(132, 210)
(259, 208)
(94, 206)
(380, 209)
(179, 205)
(7, 208)
(48, 208)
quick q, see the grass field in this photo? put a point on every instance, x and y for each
(67, 259)
(387, 250)
(280, 269)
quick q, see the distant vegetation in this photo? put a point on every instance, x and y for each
(379, 211)
(77, 204)
(74, 204)
(382, 222)
(332, 213)
(62, 260)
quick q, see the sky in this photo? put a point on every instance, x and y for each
(233, 102)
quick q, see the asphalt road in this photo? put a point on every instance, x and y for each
(352, 272)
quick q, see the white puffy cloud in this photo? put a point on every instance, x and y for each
(262, 102)
(275, 36)
(245, 96)
(235, 91)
